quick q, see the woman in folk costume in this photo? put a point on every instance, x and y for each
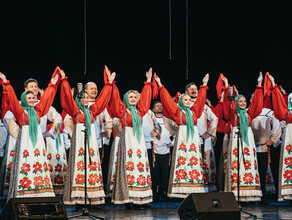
(186, 174)
(236, 112)
(81, 113)
(30, 176)
(132, 182)
(282, 111)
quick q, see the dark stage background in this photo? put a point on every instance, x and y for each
(238, 39)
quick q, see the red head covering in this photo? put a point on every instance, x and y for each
(267, 92)
(176, 98)
(154, 88)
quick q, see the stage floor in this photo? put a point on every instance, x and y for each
(168, 210)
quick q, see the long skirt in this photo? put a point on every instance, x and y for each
(285, 170)
(132, 182)
(209, 166)
(186, 174)
(57, 164)
(6, 165)
(30, 176)
(74, 192)
(112, 166)
(249, 183)
(270, 186)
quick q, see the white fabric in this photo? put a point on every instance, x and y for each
(147, 128)
(160, 146)
(3, 137)
(265, 127)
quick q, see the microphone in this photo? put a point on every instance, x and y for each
(79, 90)
(230, 93)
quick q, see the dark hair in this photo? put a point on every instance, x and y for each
(29, 81)
(189, 85)
(154, 103)
(29, 92)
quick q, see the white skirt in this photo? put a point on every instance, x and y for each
(186, 175)
(30, 176)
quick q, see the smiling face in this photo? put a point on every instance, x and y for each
(242, 102)
(86, 100)
(32, 86)
(91, 90)
(132, 98)
(192, 91)
(31, 99)
(187, 101)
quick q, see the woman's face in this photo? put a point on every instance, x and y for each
(242, 102)
(86, 100)
(31, 100)
(132, 97)
(186, 99)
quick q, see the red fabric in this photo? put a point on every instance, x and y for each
(172, 111)
(4, 105)
(220, 86)
(254, 109)
(218, 111)
(1, 81)
(70, 107)
(267, 102)
(41, 108)
(154, 89)
(267, 85)
(118, 109)
(280, 105)
(177, 95)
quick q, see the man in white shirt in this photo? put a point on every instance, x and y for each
(267, 131)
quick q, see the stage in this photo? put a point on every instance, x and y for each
(168, 210)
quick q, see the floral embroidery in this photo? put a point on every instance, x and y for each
(80, 165)
(37, 168)
(81, 152)
(192, 147)
(93, 179)
(139, 153)
(130, 179)
(25, 169)
(25, 183)
(58, 168)
(92, 166)
(80, 179)
(141, 181)
(182, 147)
(130, 166)
(25, 154)
(37, 152)
(130, 152)
(140, 167)
(38, 182)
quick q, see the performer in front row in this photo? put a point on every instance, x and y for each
(81, 113)
(30, 176)
(237, 113)
(186, 168)
(132, 183)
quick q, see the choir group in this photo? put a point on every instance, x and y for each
(147, 146)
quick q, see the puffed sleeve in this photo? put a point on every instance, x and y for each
(169, 106)
(47, 99)
(144, 102)
(4, 105)
(198, 106)
(116, 108)
(102, 100)
(279, 104)
(67, 101)
(256, 104)
(14, 104)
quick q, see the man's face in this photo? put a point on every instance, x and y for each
(32, 86)
(92, 90)
(192, 91)
(157, 108)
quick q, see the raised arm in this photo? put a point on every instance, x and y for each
(144, 102)
(13, 102)
(169, 106)
(116, 107)
(256, 104)
(67, 101)
(47, 98)
(198, 106)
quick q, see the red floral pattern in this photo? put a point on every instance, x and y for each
(289, 148)
(37, 152)
(288, 174)
(81, 151)
(181, 161)
(80, 179)
(25, 168)
(58, 168)
(25, 154)
(58, 179)
(130, 152)
(80, 165)
(130, 179)
(194, 174)
(25, 183)
(12, 153)
(38, 181)
(130, 166)
(92, 166)
(192, 147)
(58, 157)
(140, 167)
(193, 161)
(37, 167)
(93, 179)
(180, 174)
(288, 161)
(247, 165)
(248, 178)
(182, 147)
(141, 180)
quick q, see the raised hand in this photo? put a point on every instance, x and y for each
(260, 79)
(272, 79)
(157, 79)
(149, 74)
(54, 80)
(3, 77)
(225, 80)
(111, 77)
(62, 73)
(40, 91)
(206, 79)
